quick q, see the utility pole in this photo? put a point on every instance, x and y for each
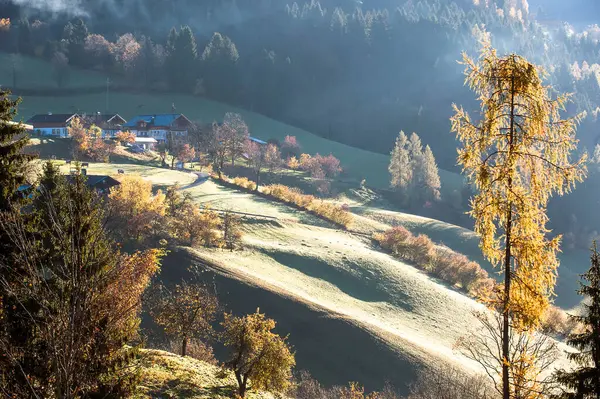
(107, 89)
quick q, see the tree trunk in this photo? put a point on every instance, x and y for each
(184, 346)
(507, 265)
(257, 180)
(242, 383)
(506, 315)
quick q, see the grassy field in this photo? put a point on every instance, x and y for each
(165, 375)
(36, 73)
(359, 164)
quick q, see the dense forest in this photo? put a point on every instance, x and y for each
(393, 64)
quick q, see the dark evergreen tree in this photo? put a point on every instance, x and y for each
(75, 34)
(584, 381)
(220, 57)
(24, 41)
(182, 53)
(13, 162)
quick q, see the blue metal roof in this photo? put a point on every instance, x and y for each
(258, 141)
(156, 120)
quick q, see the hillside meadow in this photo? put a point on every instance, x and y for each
(358, 164)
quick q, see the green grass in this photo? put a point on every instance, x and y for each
(36, 73)
(358, 164)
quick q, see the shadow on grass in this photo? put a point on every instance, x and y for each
(351, 280)
(335, 351)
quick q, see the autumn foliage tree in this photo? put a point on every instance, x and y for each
(258, 355)
(193, 226)
(125, 137)
(290, 147)
(186, 153)
(261, 157)
(185, 312)
(63, 333)
(88, 142)
(137, 212)
(232, 234)
(517, 156)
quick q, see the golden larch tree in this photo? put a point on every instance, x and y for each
(517, 156)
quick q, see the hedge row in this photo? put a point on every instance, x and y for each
(458, 270)
(443, 263)
(296, 198)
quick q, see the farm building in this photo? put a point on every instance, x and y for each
(161, 127)
(109, 123)
(51, 124)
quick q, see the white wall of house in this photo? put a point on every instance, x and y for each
(51, 131)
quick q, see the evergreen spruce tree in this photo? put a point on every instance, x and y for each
(400, 167)
(429, 178)
(182, 54)
(415, 151)
(187, 54)
(584, 381)
(13, 163)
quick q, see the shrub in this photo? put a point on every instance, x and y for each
(244, 182)
(421, 250)
(443, 263)
(394, 240)
(329, 164)
(196, 349)
(557, 321)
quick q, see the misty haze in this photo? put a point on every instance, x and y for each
(320, 199)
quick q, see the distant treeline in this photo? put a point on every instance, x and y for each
(352, 75)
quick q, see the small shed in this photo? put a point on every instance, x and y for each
(147, 143)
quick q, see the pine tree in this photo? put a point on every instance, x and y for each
(429, 178)
(13, 163)
(415, 152)
(63, 333)
(186, 54)
(517, 156)
(75, 35)
(584, 381)
(400, 167)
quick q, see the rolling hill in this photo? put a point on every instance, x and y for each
(352, 312)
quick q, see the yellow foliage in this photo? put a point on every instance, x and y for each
(517, 156)
(329, 211)
(137, 207)
(293, 163)
(4, 24)
(443, 263)
(244, 182)
(258, 353)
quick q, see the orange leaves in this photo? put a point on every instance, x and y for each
(518, 156)
(258, 353)
(4, 24)
(137, 207)
(125, 137)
